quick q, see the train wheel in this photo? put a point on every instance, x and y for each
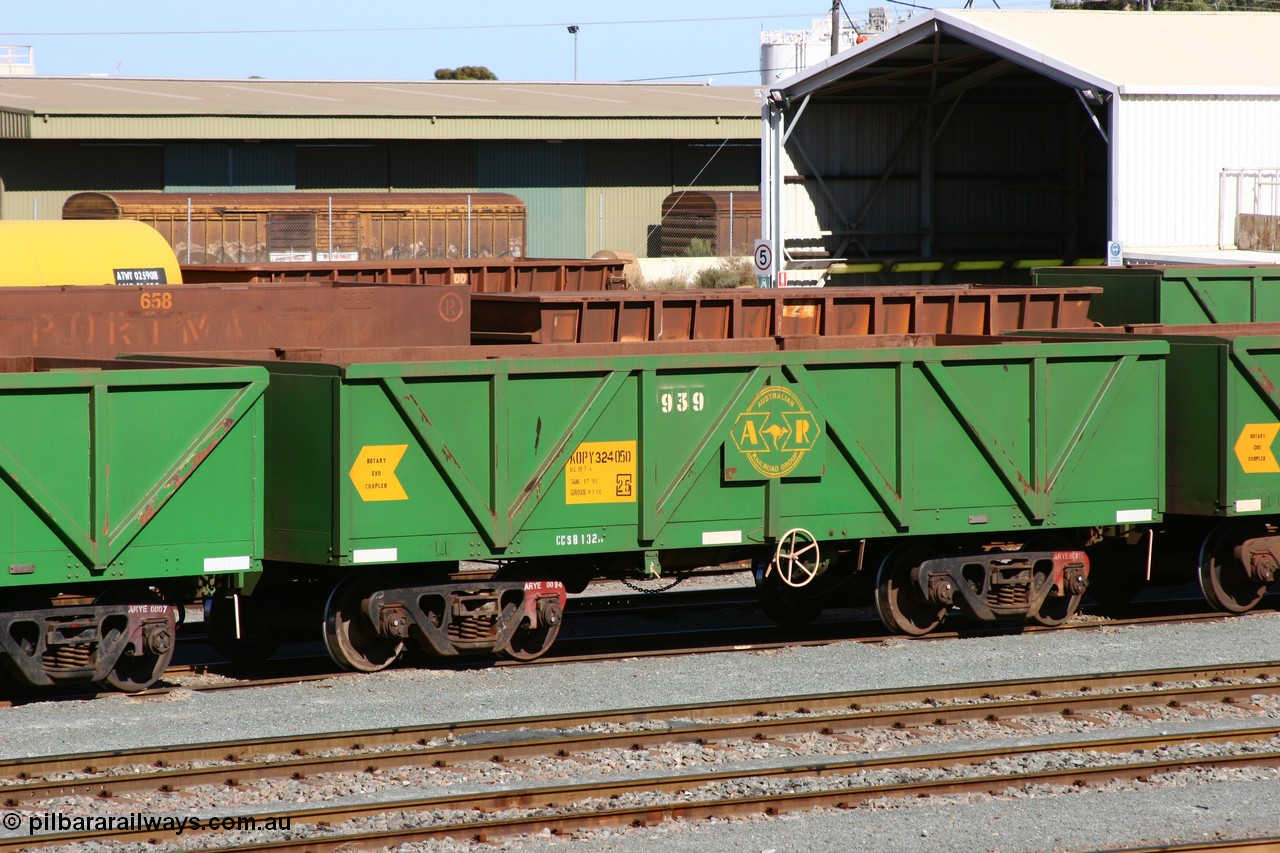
(350, 640)
(255, 642)
(131, 673)
(1224, 582)
(901, 605)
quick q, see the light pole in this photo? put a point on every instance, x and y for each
(573, 31)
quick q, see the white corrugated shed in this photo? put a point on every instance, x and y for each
(1174, 98)
(1165, 53)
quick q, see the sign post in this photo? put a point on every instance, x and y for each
(763, 256)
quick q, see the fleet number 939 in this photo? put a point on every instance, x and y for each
(681, 401)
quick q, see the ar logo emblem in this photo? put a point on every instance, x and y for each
(775, 432)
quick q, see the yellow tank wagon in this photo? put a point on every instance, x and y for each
(58, 252)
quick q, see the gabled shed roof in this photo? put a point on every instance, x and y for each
(1134, 53)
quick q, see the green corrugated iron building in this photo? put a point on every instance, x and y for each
(591, 161)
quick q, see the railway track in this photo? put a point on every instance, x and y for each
(565, 808)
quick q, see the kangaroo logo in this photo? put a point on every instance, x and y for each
(776, 431)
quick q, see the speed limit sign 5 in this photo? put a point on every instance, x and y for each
(764, 255)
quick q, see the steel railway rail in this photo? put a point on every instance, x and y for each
(1236, 845)
(306, 756)
(565, 808)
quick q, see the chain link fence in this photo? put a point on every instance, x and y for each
(260, 228)
(327, 234)
(709, 224)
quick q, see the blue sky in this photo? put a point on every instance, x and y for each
(322, 39)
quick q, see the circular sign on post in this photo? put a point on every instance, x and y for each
(764, 255)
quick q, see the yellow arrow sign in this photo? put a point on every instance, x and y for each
(1253, 449)
(374, 472)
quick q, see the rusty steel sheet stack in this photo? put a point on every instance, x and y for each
(482, 275)
(733, 314)
(103, 322)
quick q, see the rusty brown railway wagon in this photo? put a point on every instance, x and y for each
(325, 227)
(103, 322)
(728, 223)
(482, 275)
(725, 314)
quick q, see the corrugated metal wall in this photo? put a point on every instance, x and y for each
(626, 183)
(581, 196)
(228, 167)
(39, 176)
(1171, 151)
(622, 199)
(850, 146)
(549, 177)
(15, 124)
(1006, 179)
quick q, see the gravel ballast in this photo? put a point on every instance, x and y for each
(1189, 808)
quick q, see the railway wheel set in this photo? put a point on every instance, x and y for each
(330, 460)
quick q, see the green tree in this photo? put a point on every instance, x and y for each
(466, 72)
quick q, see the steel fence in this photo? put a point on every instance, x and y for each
(1249, 209)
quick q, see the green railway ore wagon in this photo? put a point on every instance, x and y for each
(1173, 295)
(116, 480)
(572, 462)
(1223, 499)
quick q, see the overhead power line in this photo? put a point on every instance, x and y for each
(400, 29)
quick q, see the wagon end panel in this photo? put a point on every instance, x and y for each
(301, 515)
(123, 473)
(1197, 424)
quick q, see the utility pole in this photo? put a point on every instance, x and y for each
(573, 31)
(835, 27)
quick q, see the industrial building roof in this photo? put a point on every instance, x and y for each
(122, 96)
(84, 107)
(1130, 53)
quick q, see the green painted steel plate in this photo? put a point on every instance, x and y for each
(1174, 295)
(123, 472)
(421, 461)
